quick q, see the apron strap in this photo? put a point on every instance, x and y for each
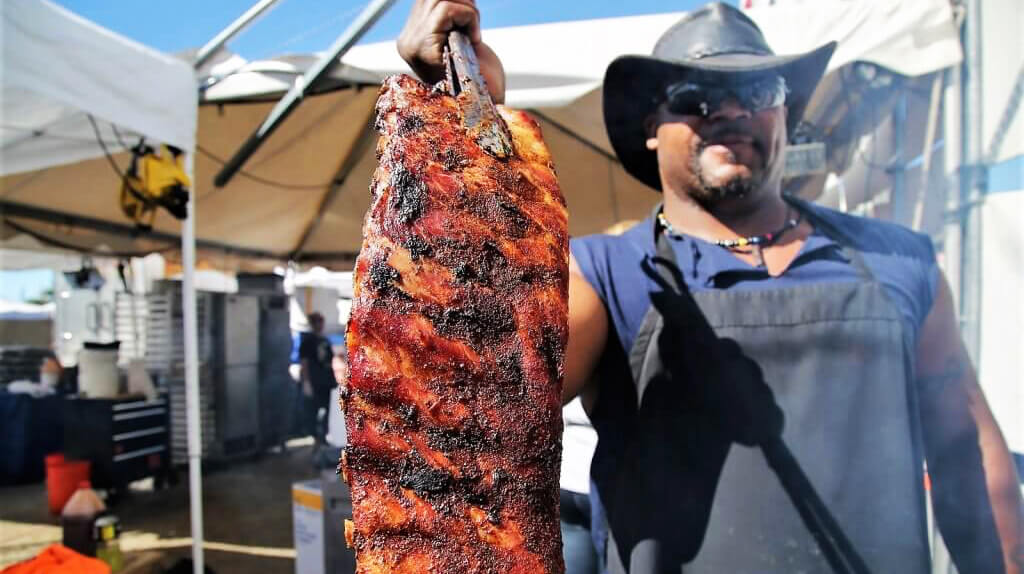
(833, 233)
(668, 274)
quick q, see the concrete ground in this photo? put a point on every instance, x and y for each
(247, 513)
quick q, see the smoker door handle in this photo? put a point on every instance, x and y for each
(106, 315)
(92, 317)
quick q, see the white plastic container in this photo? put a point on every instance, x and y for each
(98, 376)
(336, 434)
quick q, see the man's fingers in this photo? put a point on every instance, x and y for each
(449, 15)
(470, 23)
(425, 34)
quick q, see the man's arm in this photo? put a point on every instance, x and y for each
(588, 332)
(425, 35)
(975, 488)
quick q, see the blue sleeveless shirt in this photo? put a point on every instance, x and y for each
(901, 260)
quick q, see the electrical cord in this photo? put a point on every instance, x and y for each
(258, 179)
(53, 242)
(117, 134)
(42, 132)
(207, 153)
(204, 151)
(103, 145)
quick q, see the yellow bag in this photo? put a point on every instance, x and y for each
(154, 180)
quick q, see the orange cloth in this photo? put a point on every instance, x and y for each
(58, 559)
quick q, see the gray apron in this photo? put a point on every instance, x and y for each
(680, 496)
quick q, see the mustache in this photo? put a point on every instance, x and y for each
(721, 131)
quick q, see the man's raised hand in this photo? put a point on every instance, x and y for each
(425, 35)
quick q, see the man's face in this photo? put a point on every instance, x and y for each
(730, 153)
(317, 324)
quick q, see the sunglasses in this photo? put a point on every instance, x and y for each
(689, 98)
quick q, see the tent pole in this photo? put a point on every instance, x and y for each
(14, 209)
(974, 185)
(935, 103)
(234, 28)
(898, 165)
(191, 335)
(952, 133)
(293, 98)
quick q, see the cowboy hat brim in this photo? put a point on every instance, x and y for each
(633, 84)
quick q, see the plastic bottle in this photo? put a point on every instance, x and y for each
(108, 547)
(78, 519)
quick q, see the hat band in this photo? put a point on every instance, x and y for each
(700, 54)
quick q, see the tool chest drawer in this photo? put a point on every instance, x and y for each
(124, 439)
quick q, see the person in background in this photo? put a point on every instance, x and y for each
(316, 376)
(578, 442)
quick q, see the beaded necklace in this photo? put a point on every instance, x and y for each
(757, 242)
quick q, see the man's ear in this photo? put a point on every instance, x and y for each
(651, 131)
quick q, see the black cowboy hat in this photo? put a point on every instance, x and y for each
(717, 39)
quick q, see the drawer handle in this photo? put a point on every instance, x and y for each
(138, 433)
(139, 414)
(137, 404)
(138, 453)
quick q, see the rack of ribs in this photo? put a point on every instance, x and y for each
(456, 344)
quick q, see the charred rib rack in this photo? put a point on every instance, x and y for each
(456, 345)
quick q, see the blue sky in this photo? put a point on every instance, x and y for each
(27, 284)
(297, 26)
(311, 25)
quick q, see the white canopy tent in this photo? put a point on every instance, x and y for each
(70, 89)
(303, 194)
(553, 65)
(59, 69)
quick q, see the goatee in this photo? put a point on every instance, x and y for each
(707, 193)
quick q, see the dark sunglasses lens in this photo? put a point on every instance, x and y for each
(764, 94)
(687, 100)
(693, 99)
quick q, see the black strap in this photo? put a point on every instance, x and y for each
(834, 544)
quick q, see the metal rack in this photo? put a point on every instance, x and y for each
(150, 327)
(244, 347)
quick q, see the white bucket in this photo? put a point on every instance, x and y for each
(97, 373)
